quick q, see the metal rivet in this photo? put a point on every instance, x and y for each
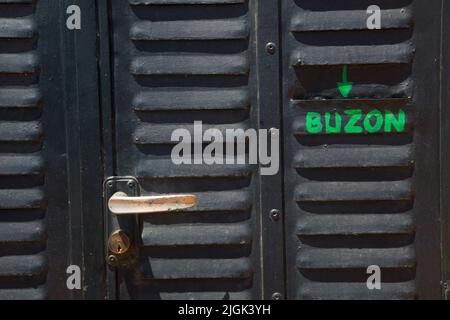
(110, 184)
(277, 296)
(271, 48)
(131, 184)
(275, 214)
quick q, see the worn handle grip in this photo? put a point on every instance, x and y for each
(121, 204)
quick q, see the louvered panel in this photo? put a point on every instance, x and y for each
(381, 54)
(147, 133)
(16, 1)
(20, 131)
(184, 269)
(190, 65)
(23, 231)
(19, 98)
(21, 165)
(22, 198)
(17, 28)
(356, 230)
(38, 293)
(13, 233)
(192, 99)
(246, 295)
(355, 225)
(343, 20)
(188, 61)
(326, 259)
(23, 268)
(348, 291)
(346, 158)
(350, 196)
(23, 63)
(150, 169)
(353, 191)
(182, 237)
(190, 30)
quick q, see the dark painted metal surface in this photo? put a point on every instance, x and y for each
(271, 189)
(173, 64)
(342, 202)
(358, 200)
(445, 153)
(81, 93)
(48, 176)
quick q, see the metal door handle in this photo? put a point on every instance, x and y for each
(121, 204)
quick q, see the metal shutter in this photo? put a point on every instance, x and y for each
(23, 266)
(176, 62)
(48, 105)
(370, 199)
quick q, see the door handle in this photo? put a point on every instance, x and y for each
(123, 225)
(121, 204)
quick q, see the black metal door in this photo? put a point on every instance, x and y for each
(362, 193)
(173, 63)
(362, 121)
(361, 146)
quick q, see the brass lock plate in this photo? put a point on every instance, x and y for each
(119, 242)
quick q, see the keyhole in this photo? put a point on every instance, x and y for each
(119, 242)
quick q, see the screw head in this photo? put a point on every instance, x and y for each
(275, 214)
(277, 296)
(112, 259)
(271, 48)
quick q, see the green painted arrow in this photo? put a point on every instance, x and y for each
(345, 87)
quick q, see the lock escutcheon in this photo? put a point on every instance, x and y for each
(119, 242)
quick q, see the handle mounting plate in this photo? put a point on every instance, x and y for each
(121, 232)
